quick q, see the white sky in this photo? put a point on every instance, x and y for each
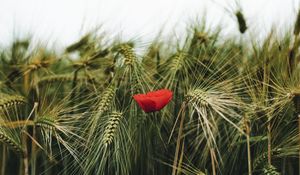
(64, 21)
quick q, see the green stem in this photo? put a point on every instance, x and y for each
(17, 124)
(247, 125)
(3, 163)
(33, 152)
(181, 159)
(47, 165)
(265, 97)
(178, 143)
(176, 95)
(296, 100)
(25, 164)
(269, 143)
(299, 139)
(33, 144)
(21, 167)
(25, 155)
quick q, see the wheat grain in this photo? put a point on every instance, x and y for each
(270, 170)
(11, 143)
(10, 100)
(63, 78)
(111, 127)
(178, 61)
(106, 99)
(46, 122)
(262, 158)
(197, 96)
(127, 51)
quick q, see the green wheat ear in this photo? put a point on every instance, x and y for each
(103, 106)
(241, 21)
(178, 61)
(10, 100)
(111, 127)
(63, 78)
(56, 78)
(297, 24)
(11, 143)
(270, 170)
(46, 122)
(127, 51)
(201, 37)
(197, 96)
(106, 99)
(262, 158)
(83, 42)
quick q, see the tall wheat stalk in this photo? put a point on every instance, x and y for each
(181, 114)
(248, 132)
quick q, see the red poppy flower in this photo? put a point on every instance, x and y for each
(154, 101)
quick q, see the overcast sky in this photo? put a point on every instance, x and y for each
(64, 21)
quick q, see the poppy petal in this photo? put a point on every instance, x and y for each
(153, 101)
(146, 104)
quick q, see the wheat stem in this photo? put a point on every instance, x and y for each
(265, 97)
(26, 82)
(247, 127)
(178, 142)
(3, 160)
(212, 157)
(17, 124)
(269, 144)
(299, 138)
(33, 152)
(25, 155)
(179, 169)
(23, 136)
(33, 144)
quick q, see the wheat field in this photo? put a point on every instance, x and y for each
(235, 106)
